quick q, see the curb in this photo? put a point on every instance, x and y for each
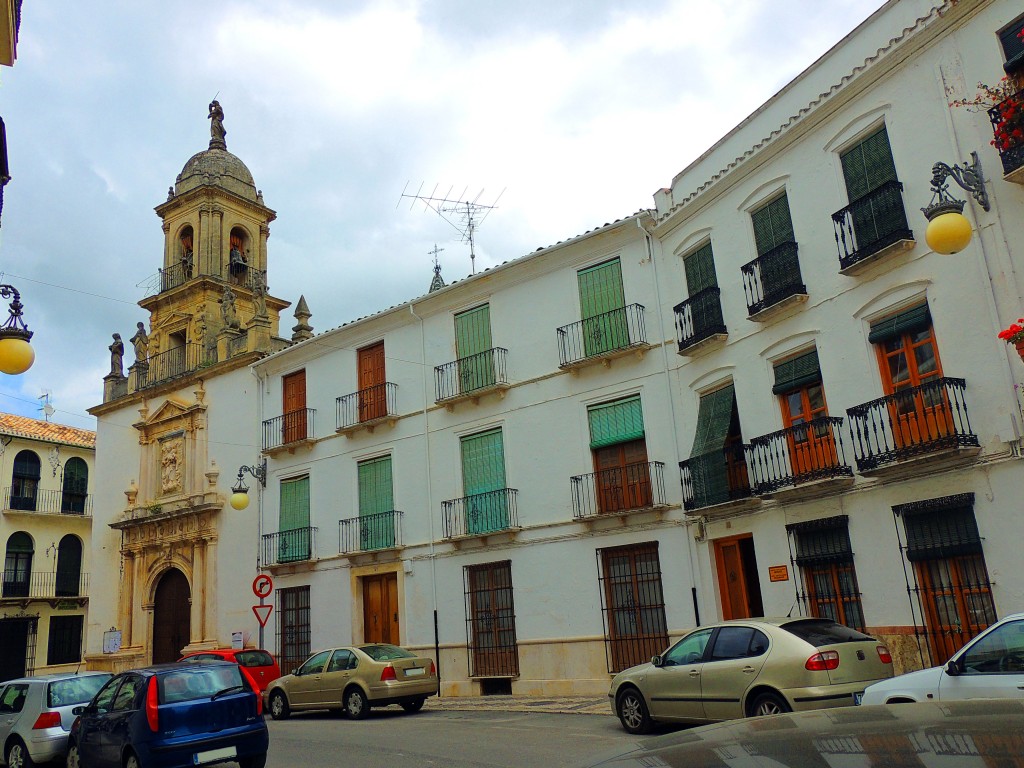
(565, 706)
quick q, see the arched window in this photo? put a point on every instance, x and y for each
(238, 253)
(75, 487)
(69, 566)
(18, 565)
(185, 254)
(25, 482)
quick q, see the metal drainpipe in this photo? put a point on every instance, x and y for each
(259, 497)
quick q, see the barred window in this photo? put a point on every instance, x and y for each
(633, 604)
(825, 558)
(65, 643)
(293, 633)
(491, 620)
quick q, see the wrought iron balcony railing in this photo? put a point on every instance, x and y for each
(772, 278)
(472, 374)
(871, 223)
(368, 405)
(176, 274)
(247, 277)
(367, 533)
(293, 427)
(171, 364)
(799, 454)
(912, 422)
(699, 317)
(602, 336)
(1008, 116)
(621, 489)
(49, 502)
(44, 584)
(294, 546)
(481, 513)
(716, 477)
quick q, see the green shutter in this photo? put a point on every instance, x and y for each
(483, 482)
(910, 320)
(601, 295)
(617, 422)
(773, 225)
(708, 468)
(472, 342)
(700, 270)
(868, 165)
(797, 372)
(293, 528)
(376, 500)
(941, 534)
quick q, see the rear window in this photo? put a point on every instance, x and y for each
(74, 690)
(386, 652)
(254, 659)
(819, 632)
(200, 682)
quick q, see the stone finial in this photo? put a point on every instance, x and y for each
(302, 330)
(132, 492)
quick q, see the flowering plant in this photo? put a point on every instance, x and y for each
(1015, 333)
(1005, 104)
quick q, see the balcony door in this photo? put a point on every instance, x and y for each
(376, 504)
(622, 475)
(773, 228)
(294, 541)
(867, 166)
(373, 403)
(472, 345)
(483, 482)
(802, 395)
(18, 565)
(294, 427)
(602, 308)
(738, 582)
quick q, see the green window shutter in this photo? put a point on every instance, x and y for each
(826, 540)
(942, 533)
(473, 331)
(617, 422)
(868, 165)
(376, 499)
(601, 289)
(700, 270)
(1013, 45)
(773, 225)
(797, 372)
(294, 504)
(713, 418)
(483, 481)
(910, 320)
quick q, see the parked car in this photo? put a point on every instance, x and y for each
(968, 733)
(750, 667)
(989, 666)
(354, 679)
(36, 714)
(257, 664)
(172, 716)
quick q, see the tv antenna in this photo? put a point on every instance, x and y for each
(45, 406)
(463, 214)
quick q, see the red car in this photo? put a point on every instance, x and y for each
(259, 665)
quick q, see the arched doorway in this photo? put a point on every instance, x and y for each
(171, 616)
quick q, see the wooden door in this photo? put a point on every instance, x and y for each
(957, 600)
(737, 578)
(14, 635)
(171, 617)
(380, 609)
(294, 427)
(373, 402)
(623, 478)
(810, 448)
(492, 620)
(920, 413)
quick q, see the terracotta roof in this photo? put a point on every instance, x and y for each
(34, 429)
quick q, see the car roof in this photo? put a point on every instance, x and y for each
(52, 677)
(173, 666)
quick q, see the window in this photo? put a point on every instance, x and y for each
(717, 466)
(1013, 45)
(689, 650)
(314, 664)
(483, 482)
(294, 426)
(13, 697)
(18, 565)
(602, 308)
(65, 643)
(802, 397)
(829, 580)
(876, 203)
(294, 533)
(75, 486)
(373, 394)
(473, 349)
(25, 481)
(776, 250)
(105, 698)
(293, 635)
(619, 449)
(738, 643)
(704, 303)
(633, 604)
(376, 504)
(1001, 651)
(69, 566)
(125, 698)
(342, 660)
(491, 620)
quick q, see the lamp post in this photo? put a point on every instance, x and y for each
(948, 230)
(16, 354)
(240, 491)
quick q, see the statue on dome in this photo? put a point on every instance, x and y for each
(217, 132)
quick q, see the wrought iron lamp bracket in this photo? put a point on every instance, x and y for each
(15, 326)
(968, 177)
(258, 471)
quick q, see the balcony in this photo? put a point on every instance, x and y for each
(294, 546)
(927, 423)
(247, 277)
(289, 431)
(48, 502)
(172, 364)
(370, 533)
(175, 275)
(602, 338)
(471, 377)
(481, 514)
(1007, 116)
(619, 491)
(44, 585)
(871, 228)
(699, 322)
(367, 408)
(772, 283)
(717, 479)
(808, 457)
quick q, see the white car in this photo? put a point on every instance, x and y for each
(991, 666)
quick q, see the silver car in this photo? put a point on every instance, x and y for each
(36, 717)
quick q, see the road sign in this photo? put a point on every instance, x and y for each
(262, 613)
(262, 586)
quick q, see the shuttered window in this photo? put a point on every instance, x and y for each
(709, 467)
(868, 165)
(797, 372)
(601, 289)
(294, 534)
(1013, 45)
(942, 533)
(376, 502)
(483, 481)
(713, 419)
(473, 331)
(909, 321)
(772, 225)
(616, 422)
(822, 541)
(700, 270)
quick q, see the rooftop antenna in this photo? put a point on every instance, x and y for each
(46, 407)
(463, 214)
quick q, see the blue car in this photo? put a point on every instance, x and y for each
(171, 716)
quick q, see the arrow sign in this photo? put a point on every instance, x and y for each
(262, 613)
(262, 586)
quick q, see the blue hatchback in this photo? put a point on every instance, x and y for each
(171, 716)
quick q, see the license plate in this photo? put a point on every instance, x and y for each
(214, 754)
(857, 697)
(415, 671)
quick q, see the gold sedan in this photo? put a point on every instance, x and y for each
(353, 679)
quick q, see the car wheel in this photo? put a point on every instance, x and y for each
(72, 760)
(278, 705)
(413, 706)
(253, 761)
(132, 761)
(769, 704)
(356, 705)
(18, 756)
(632, 711)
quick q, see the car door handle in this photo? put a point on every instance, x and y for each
(694, 673)
(749, 670)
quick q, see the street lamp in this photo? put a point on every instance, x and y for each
(240, 491)
(16, 354)
(948, 230)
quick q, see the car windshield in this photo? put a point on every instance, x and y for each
(386, 652)
(74, 690)
(200, 682)
(819, 632)
(254, 659)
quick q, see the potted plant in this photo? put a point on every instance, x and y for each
(1015, 335)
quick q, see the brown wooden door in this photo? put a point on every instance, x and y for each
(738, 583)
(623, 477)
(294, 427)
(171, 617)
(957, 599)
(810, 449)
(492, 620)
(908, 361)
(372, 392)
(380, 609)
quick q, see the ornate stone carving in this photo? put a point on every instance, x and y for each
(172, 464)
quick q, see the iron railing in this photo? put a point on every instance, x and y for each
(871, 223)
(602, 335)
(292, 546)
(772, 277)
(1006, 116)
(913, 421)
(491, 621)
(620, 489)
(171, 364)
(176, 274)
(799, 454)
(366, 533)
(49, 502)
(44, 584)
(368, 404)
(247, 277)
(699, 317)
(473, 373)
(292, 427)
(715, 477)
(481, 513)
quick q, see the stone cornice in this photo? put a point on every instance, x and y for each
(207, 193)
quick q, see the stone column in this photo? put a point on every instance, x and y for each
(197, 622)
(145, 616)
(124, 611)
(217, 241)
(210, 579)
(203, 248)
(264, 234)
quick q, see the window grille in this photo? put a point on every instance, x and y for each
(293, 631)
(491, 620)
(632, 604)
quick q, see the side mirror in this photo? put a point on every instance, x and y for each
(953, 668)
(657, 661)
(80, 710)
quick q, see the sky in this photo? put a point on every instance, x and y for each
(561, 116)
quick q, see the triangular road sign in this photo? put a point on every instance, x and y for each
(262, 613)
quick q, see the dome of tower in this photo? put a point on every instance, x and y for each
(219, 168)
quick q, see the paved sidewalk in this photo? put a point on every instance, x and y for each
(572, 705)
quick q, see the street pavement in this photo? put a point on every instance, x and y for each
(567, 705)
